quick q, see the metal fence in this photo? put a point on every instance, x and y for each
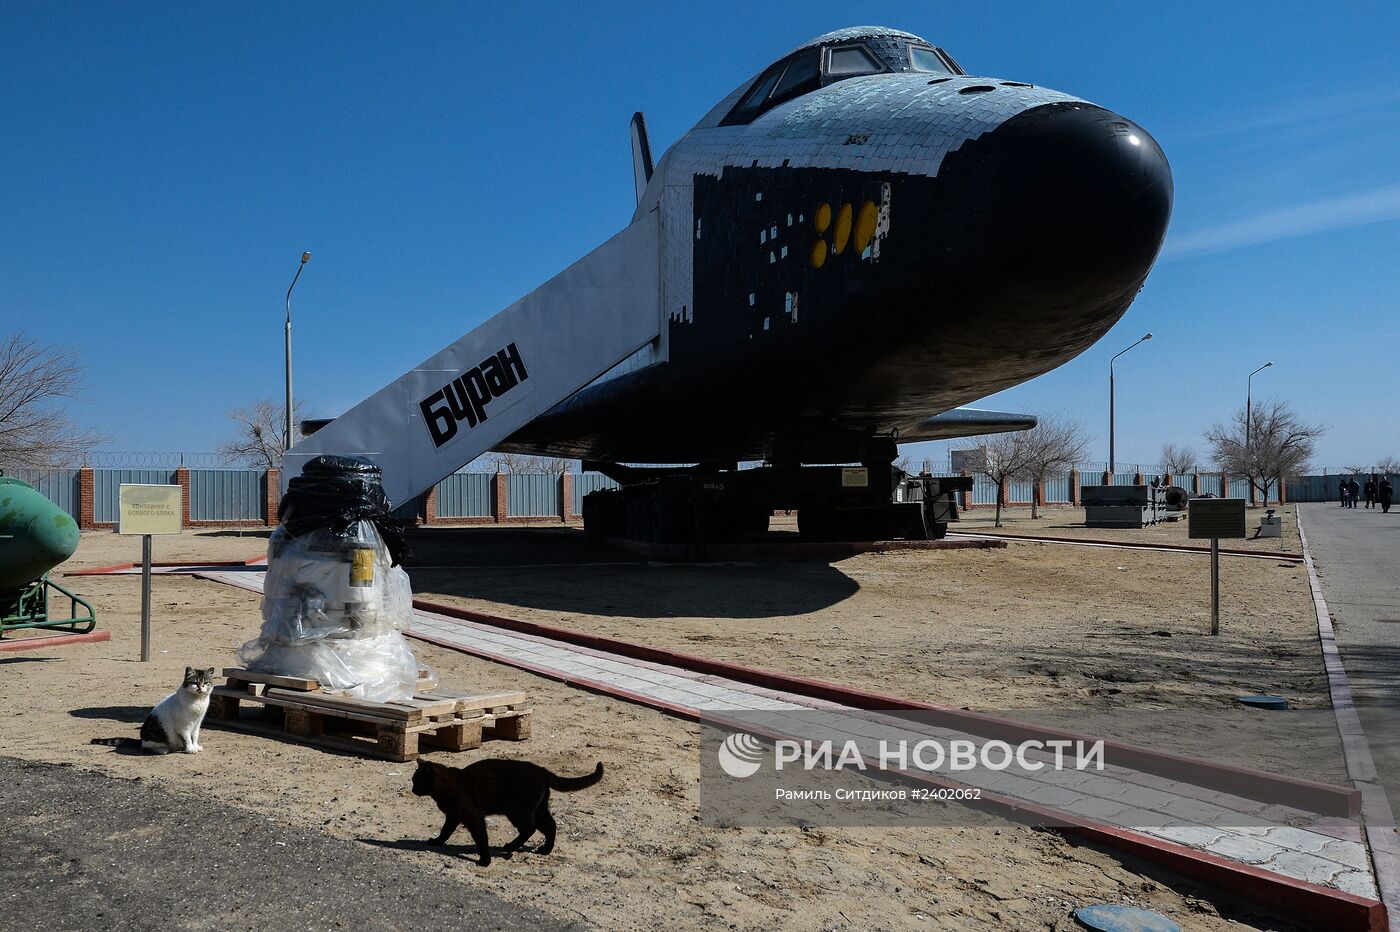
(1057, 489)
(226, 494)
(106, 483)
(464, 495)
(585, 483)
(1020, 491)
(532, 496)
(238, 495)
(59, 486)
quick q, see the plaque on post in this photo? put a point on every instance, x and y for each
(1215, 518)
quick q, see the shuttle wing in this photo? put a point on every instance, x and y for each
(967, 422)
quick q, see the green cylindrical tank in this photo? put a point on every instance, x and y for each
(35, 535)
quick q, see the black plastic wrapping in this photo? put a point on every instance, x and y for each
(334, 493)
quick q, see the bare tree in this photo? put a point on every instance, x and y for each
(1009, 456)
(1388, 466)
(526, 463)
(34, 431)
(1178, 460)
(1055, 443)
(1279, 444)
(258, 441)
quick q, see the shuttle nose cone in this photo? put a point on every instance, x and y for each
(1075, 200)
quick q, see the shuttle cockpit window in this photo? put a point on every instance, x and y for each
(803, 74)
(923, 58)
(790, 78)
(849, 61)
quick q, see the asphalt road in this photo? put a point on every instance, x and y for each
(85, 851)
(1357, 552)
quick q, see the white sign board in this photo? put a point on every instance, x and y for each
(149, 509)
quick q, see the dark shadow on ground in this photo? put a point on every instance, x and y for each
(5, 660)
(114, 713)
(237, 532)
(461, 852)
(559, 569)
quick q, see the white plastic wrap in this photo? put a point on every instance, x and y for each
(334, 610)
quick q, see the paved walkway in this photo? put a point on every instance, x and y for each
(84, 851)
(1357, 553)
(1273, 838)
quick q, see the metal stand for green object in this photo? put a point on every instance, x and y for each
(33, 608)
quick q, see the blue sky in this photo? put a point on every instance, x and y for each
(165, 165)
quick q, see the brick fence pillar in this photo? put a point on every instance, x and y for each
(1224, 485)
(1004, 493)
(272, 496)
(1282, 491)
(566, 496)
(500, 496)
(1137, 479)
(87, 506)
(1074, 487)
(1038, 493)
(430, 506)
(1196, 483)
(1107, 477)
(1168, 479)
(182, 479)
(966, 496)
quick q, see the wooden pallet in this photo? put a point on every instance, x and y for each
(441, 718)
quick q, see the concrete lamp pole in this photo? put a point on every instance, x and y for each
(1144, 339)
(287, 435)
(1249, 404)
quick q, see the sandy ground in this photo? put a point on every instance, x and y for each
(1030, 627)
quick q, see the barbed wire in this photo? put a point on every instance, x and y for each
(153, 459)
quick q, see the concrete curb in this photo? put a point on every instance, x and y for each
(1381, 836)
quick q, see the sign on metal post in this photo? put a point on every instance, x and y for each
(1215, 518)
(145, 510)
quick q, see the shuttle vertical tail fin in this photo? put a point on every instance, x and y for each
(641, 154)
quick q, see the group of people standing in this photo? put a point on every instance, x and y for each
(1377, 490)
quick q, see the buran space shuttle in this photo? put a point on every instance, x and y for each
(854, 244)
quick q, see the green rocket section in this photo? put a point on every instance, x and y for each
(35, 536)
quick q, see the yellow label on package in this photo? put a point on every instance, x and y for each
(362, 569)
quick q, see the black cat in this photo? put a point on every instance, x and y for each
(516, 789)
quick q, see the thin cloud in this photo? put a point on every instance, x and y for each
(1313, 111)
(1335, 213)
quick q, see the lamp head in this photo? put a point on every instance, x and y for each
(1149, 335)
(306, 257)
(1268, 365)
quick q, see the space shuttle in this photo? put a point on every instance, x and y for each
(846, 251)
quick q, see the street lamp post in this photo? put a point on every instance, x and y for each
(1249, 404)
(287, 434)
(1144, 339)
